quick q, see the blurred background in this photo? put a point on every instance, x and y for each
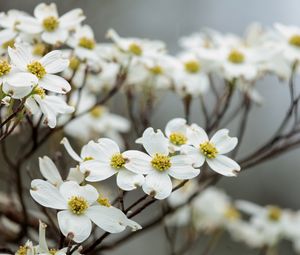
(275, 182)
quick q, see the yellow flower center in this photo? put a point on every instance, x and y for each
(39, 49)
(4, 67)
(156, 70)
(50, 23)
(97, 111)
(192, 66)
(274, 213)
(22, 250)
(74, 63)
(78, 205)
(39, 91)
(232, 213)
(10, 43)
(295, 40)
(236, 57)
(177, 138)
(208, 149)
(87, 43)
(52, 251)
(88, 158)
(37, 69)
(103, 201)
(161, 162)
(117, 161)
(135, 49)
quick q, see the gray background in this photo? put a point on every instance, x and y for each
(275, 182)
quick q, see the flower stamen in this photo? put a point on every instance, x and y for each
(4, 67)
(37, 69)
(135, 49)
(192, 66)
(236, 57)
(274, 213)
(178, 138)
(117, 161)
(87, 43)
(208, 149)
(78, 205)
(50, 23)
(161, 162)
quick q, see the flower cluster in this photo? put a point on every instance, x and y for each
(213, 211)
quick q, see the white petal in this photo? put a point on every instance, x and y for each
(32, 106)
(70, 150)
(29, 25)
(56, 37)
(108, 145)
(20, 56)
(78, 225)
(43, 247)
(75, 175)
(197, 158)
(71, 19)
(43, 11)
(49, 171)
(182, 169)
(223, 142)
(54, 62)
(16, 92)
(127, 180)
(92, 149)
(70, 188)
(55, 83)
(22, 79)
(176, 125)
(224, 165)
(47, 195)
(158, 184)
(155, 142)
(196, 135)
(138, 162)
(96, 170)
(110, 219)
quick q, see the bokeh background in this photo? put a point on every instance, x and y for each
(273, 182)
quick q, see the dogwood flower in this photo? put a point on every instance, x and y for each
(212, 150)
(53, 29)
(43, 69)
(9, 22)
(50, 106)
(136, 47)
(190, 78)
(176, 132)
(103, 159)
(159, 165)
(213, 209)
(84, 44)
(79, 206)
(270, 220)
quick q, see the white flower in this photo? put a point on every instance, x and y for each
(50, 106)
(43, 69)
(53, 29)
(98, 122)
(103, 159)
(159, 165)
(79, 205)
(84, 44)
(136, 47)
(272, 221)
(176, 132)
(212, 150)
(190, 78)
(213, 209)
(288, 41)
(9, 22)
